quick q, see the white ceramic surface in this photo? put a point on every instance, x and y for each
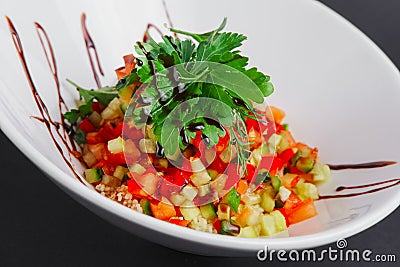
(339, 90)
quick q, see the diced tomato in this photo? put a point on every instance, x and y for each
(303, 211)
(292, 202)
(161, 210)
(286, 155)
(107, 132)
(116, 159)
(86, 126)
(96, 107)
(217, 225)
(295, 181)
(222, 143)
(251, 169)
(179, 222)
(94, 138)
(272, 163)
(134, 188)
(99, 150)
(132, 133)
(279, 128)
(118, 129)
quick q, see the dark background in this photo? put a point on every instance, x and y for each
(41, 226)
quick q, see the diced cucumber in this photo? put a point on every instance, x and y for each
(200, 178)
(295, 158)
(197, 165)
(145, 204)
(268, 225)
(305, 164)
(251, 199)
(110, 180)
(177, 199)
(116, 145)
(273, 142)
(283, 144)
(267, 202)
(204, 190)
(280, 221)
(189, 192)
(112, 111)
(321, 172)
(190, 212)
(208, 211)
(147, 145)
(276, 183)
(307, 190)
(139, 169)
(93, 175)
(248, 232)
(120, 172)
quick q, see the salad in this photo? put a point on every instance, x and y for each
(185, 136)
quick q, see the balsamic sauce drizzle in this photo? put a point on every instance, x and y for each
(44, 114)
(90, 46)
(394, 182)
(368, 165)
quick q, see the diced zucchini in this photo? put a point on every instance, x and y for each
(232, 199)
(145, 204)
(208, 211)
(190, 212)
(110, 180)
(189, 192)
(276, 183)
(116, 145)
(120, 172)
(137, 168)
(250, 215)
(305, 164)
(93, 175)
(321, 172)
(268, 226)
(280, 221)
(147, 145)
(224, 212)
(219, 183)
(307, 190)
(248, 232)
(125, 94)
(267, 201)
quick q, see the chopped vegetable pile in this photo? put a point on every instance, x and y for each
(223, 167)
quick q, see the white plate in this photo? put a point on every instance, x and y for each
(339, 90)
